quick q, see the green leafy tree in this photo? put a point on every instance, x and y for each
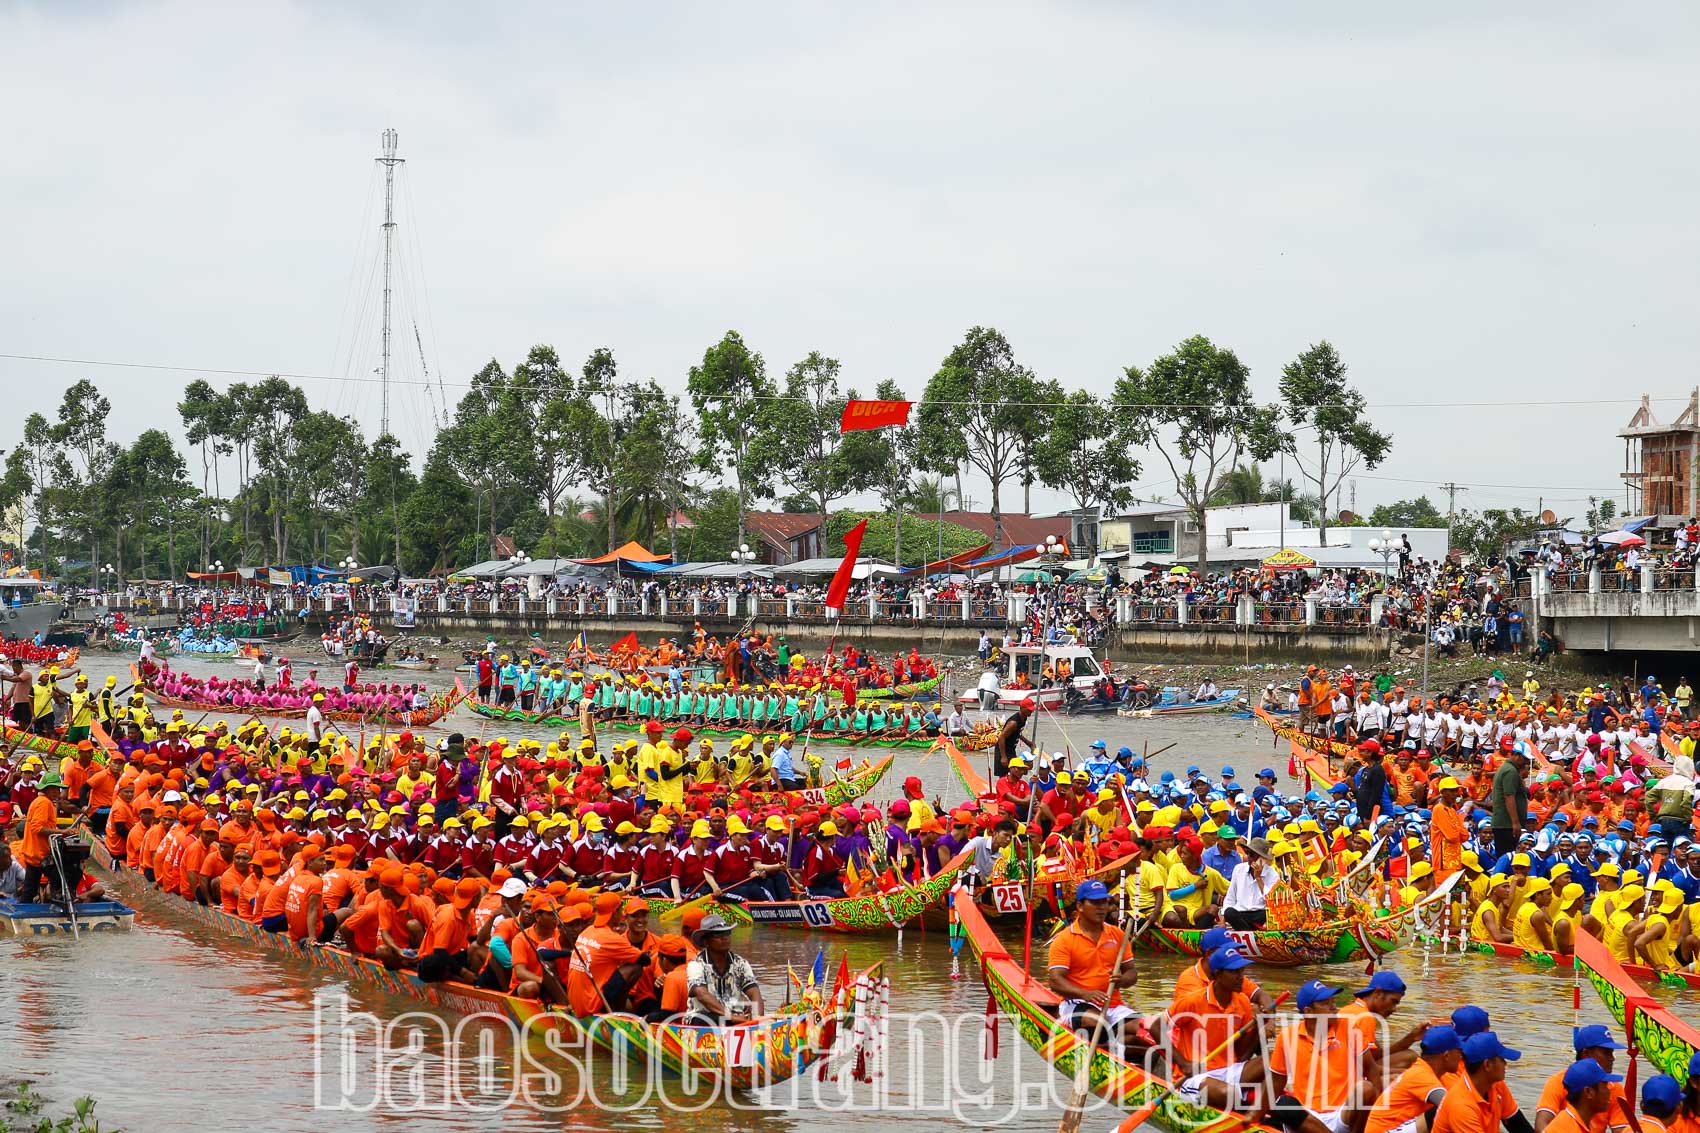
(1314, 392)
(1195, 408)
(1419, 512)
(809, 418)
(886, 535)
(656, 459)
(540, 397)
(1486, 535)
(439, 529)
(975, 412)
(734, 400)
(1082, 455)
(597, 424)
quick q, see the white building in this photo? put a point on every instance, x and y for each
(1243, 534)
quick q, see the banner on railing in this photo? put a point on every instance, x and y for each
(406, 610)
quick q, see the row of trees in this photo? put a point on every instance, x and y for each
(570, 462)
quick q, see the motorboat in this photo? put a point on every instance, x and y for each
(1019, 672)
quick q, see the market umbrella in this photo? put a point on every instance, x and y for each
(1622, 539)
(1179, 569)
(1032, 576)
(1094, 574)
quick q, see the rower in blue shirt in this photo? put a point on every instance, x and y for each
(783, 768)
(507, 681)
(1098, 766)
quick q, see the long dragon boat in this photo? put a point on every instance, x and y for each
(1283, 947)
(441, 705)
(762, 1053)
(1032, 1007)
(866, 912)
(1564, 961)
(900, 692)
(14, 737)
(556, 720)
(1314, 755)
(1654, 1030)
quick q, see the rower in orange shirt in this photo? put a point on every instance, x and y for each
(1420, 1089)
(40, 821)
(448, 953)
(1206, 1026)
(303, 902)
(1592, 1043)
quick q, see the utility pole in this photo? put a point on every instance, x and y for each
(1451, 491)
(389, 161)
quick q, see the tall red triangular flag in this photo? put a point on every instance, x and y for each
(840, 588)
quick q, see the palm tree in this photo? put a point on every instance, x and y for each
(1243, 484)
(930, 494)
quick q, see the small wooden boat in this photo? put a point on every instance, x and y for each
(41, 919)
(415, 665)
(844, 789)
(1179, 707)
(269, 638)
(867, 912)
(1654, 1030)
(1032, 1007)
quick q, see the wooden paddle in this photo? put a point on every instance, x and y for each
(677, 912)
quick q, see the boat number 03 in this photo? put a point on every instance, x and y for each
(1009, 898)
(817, 915)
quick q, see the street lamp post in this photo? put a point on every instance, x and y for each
(1051, 552)
(1386, 548)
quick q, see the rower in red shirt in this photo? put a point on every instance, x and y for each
(655, 861)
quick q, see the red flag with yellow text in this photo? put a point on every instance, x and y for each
(873, 415)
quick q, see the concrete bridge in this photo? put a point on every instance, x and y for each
(1652, 610)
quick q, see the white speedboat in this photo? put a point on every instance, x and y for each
(1020, 672)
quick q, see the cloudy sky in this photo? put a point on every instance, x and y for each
(1490, 213)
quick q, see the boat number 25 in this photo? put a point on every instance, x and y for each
(1009, 898)
(817, 915)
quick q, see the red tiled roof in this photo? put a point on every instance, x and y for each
(782, 526)
(1018, 528)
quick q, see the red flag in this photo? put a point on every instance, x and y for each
(846, 764)
(873, 415)
(628, 643)
(840, 588)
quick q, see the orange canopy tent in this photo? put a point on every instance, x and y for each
(632, 552)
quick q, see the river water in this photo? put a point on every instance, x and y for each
(171, 1027)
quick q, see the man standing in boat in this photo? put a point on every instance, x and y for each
(1011, 736)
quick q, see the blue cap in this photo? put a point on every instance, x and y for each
(1469, 1021)
(1480, 1048)
(1660, 1095)
(1694, 1066)
(1166, 777)
(1228, 960)
(1313, 796)
(1315, 992)
(1626, 826)
(1340, 788)
(1213, 938)
(1384, 980)
(1136, 762)
(1227, 772)
(1124, 752)
(1098, 745)
(1593, 1035)
(1192, 769)
(1439, 1040)
(1092, 890)
(1266, 773)
(1586, 1072)
(1590, 820)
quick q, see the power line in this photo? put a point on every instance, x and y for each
(1112, 405)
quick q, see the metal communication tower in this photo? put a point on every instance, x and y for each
(389, 161)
